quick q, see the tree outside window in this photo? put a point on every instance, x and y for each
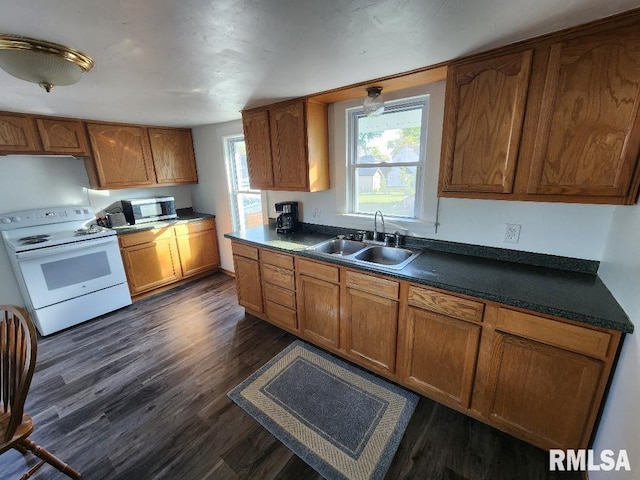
(386, 160)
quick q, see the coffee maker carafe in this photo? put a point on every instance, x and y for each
(287, 221)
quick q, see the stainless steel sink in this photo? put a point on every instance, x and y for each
(384, 255)
(366, 253)
(338, 247)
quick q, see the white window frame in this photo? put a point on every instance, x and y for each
(339, 117)
(234, 193)
(354, 115)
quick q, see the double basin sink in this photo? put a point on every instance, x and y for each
(390, 257)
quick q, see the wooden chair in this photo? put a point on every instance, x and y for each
(18, 348)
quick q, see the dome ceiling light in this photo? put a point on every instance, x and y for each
(374, 103)
(45, 63)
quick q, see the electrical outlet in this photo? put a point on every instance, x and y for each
(512, 233)
(316, 213)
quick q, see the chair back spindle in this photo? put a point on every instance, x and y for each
(18, 349)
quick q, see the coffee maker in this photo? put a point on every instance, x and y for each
(287, 221)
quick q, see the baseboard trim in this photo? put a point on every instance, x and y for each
(228, 272)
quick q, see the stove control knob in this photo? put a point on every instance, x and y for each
(15, 219)
(5, 220)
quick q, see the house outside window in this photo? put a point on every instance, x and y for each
(386, 159)
(245, 203)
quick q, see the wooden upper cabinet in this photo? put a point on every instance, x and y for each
(484, 116)
(63, 136)
(555, 119)
(173, 158)
(18, 134)
(258, 142)
(588, 134)
(121, 156)
(288, 146)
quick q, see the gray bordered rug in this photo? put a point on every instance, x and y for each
(344, 422)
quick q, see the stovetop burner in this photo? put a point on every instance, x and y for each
(89, 230)
(31, 238)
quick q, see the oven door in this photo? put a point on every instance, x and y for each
(55, 274)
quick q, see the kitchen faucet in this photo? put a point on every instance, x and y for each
(375, 224)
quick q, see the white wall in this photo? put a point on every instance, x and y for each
(620, 270)
(37, 181)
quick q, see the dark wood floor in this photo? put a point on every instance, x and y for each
(141, 394)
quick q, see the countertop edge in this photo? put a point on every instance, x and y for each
(192, 217)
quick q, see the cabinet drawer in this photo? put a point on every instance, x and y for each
(278, 276)
(375, 285)
(286, 298)
(145, 236)
(244, 250)
(282, 315)
(195, 226)
(570, 337)
(446, 304)
(278, 259)
(317, 270)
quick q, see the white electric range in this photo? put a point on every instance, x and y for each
(69, 270)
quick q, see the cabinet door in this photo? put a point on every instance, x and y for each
(588, 134)
(173, 158)
(198, 252)
(319, 310)
(151, 265)
(542, 392)
(484, 114)
(122, 155)
(439, 356)
(258, 142)
(371, 329)
(63, 136)
(248, 283)
(18, 134)
(288, 146)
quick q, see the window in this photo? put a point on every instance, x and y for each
(246, 204)
(386, 159)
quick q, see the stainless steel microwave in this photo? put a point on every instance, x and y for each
(142, 210)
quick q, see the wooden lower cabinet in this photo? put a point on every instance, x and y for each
(439, 356)
(279, 285)
(440, 348)
(161, 256)
(151, 265)
(248, 284)
(540, 390)
(370, 326)
(542, 380)
(319, 310)
(198, 252)
(537, 378)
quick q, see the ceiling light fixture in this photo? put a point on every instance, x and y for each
(45, 63)
(374, 103)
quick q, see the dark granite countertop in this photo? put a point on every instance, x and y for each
(578, 296)
(184, 216)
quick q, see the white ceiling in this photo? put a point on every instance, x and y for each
(195, 62)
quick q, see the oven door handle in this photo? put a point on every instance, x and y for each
(67, 247)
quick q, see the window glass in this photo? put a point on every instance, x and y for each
(246, 204)
(386, 161)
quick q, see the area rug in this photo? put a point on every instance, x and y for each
(344, 422)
